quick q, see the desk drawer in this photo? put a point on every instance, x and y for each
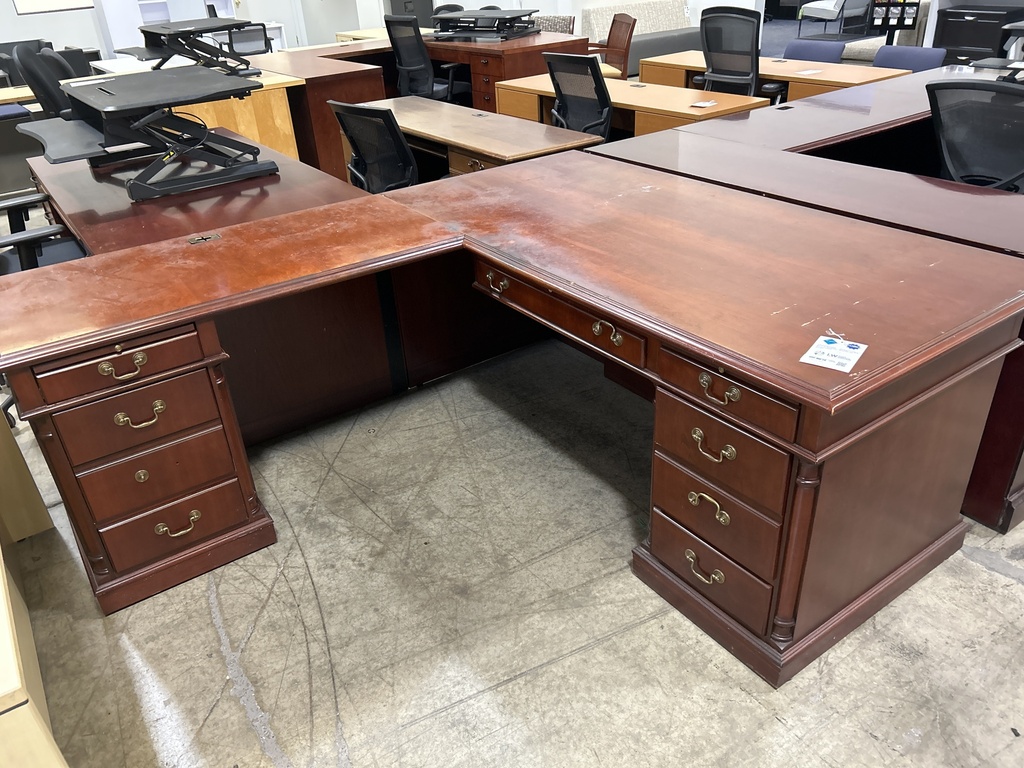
(720, 392)
(749, 538)
(737, 460)
(740, 594)
(116, 364)
(484, 83)
(136, 417)
(492, 66)
(485, 100)
(150, 477)
(459, 162)
(601, 333)
(181, 524)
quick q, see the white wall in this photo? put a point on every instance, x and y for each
(325, 17)
(286, 12)
(62, 28)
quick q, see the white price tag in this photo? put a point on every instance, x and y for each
(702, 104)
(810, 71)
(830, 352)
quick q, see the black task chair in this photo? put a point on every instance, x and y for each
(249, 40)
(381, 158)
(25, 248)
(415, 69)
(911, 57)
(729, 38)
(43, 74)
(11, 75)
(448, 9)
(980, 128)
(582, 102)
(825, 51)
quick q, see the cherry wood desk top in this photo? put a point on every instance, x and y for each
(505, 139)
(656, 99)
(94, 206)
(788, 70)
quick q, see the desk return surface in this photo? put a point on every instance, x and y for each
(790, 502)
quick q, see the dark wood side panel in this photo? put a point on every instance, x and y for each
(889, 496)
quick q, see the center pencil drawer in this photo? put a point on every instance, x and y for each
(139, 416)
(152, 476)
(737, 460)
(602, 333)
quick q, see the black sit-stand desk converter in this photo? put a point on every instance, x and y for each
(136, 109)
(185, 38)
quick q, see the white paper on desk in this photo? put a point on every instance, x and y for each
(700, 104)
(810, 71)
(838, 354)
(1016, 65)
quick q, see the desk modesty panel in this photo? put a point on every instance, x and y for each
(822, 469)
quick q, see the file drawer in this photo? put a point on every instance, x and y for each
(174, 527)
(494, 66)
(716, 390)
(740, 594)
(741, 462)
(147, 478)
(459, 162)
(603, 333)
(116, 364)
(725, 523)
(136, 417)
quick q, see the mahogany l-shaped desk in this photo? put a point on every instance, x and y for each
(789, 501)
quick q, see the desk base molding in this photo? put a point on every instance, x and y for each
(778, 664)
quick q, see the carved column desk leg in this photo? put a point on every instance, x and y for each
(808, 480)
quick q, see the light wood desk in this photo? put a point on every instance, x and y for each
(373, 33)
(640, 108)
(16, 94)
(475, 140)
(805, 78)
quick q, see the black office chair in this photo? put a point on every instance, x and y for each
(7, 52)
(911, 57)
(9, 69)
(43, 75)
(381, 158)
(582, 102)
(26, 248)
(448, 9)
(980, 128)
(729, 38)
(415, 69)
(826, 51)
(249, 40)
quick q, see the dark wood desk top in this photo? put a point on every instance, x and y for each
(96, 208)
(310, 64)
(674, 256)
(169, 282)
(986, 218)
(829, 118)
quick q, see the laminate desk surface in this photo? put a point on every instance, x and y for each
(675, 68)
(497, 138)
(16, 94)
(837, 116)
(657, 106)
(93, 205)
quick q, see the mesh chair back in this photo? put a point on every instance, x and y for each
(582, 102)
(729, 39)
(381, 158)
(980, 127)
(448, 9)
(42, 75)
(563, 24)
(415, 72)
(620, 36)
(909, 57)
(249, 40)
(828, 51)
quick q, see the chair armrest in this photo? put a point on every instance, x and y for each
(23, 201)
(38, 234)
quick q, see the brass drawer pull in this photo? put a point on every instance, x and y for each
(728, 452)
(500, 287)
(123, 419)
(474, 164)
(732, 394)
(616, 337)
(142, 476)
(195, 514)
(717, 577)
(106, 368)
(720, 514)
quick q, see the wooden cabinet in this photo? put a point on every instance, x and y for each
(142, 440)
(972, 32)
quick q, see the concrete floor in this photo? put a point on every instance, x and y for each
(451, 589)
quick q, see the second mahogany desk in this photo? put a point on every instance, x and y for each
(981, 217)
